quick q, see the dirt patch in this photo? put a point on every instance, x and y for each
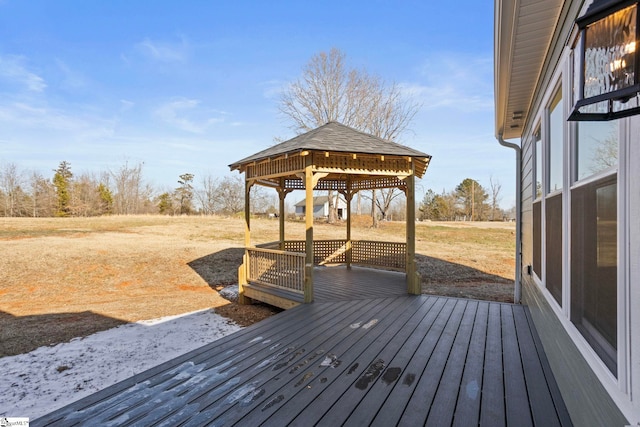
(62, 278)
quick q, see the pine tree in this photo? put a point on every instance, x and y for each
(62, 183)
(106, 199)
(165, 204)
(185, 193)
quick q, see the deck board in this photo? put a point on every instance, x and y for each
(406, 360)
(336, 283)
(467, 411)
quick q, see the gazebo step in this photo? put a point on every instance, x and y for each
(273, 296)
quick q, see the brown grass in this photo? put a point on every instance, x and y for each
(62, 278)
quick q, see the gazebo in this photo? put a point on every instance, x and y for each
(330, 157)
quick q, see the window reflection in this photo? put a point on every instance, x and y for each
(597, 147)
(556, 126)
(594, 266)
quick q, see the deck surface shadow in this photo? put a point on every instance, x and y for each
(400, 360)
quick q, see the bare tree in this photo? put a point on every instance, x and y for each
(206, 195)
(329, 90)
(85, 199)
(230, 195)
(129, 189)
(605, 154)
(495, 189)
(10, 182)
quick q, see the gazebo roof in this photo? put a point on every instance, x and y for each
(334, 137)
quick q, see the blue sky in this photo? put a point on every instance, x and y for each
(193, 86)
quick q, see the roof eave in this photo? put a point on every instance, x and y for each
(518, 43)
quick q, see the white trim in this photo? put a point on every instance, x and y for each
(632, 271)
(627, 383)
(567, 95)
(624, 297)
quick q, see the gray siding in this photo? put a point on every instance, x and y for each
(588, 402)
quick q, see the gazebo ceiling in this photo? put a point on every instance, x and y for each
(347, 151)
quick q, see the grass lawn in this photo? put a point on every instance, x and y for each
(68, 277)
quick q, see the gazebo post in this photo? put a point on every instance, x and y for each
(242, 271)
(348, 195)
(413, 286)
(308, 217)
(282, 193)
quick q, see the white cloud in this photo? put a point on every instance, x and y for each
(187, 115)
(164, 51)
(19, 117)
(71, 78)
(126, 105)
(460, 82)
(272, 88)
(26, 115)
(13, 69)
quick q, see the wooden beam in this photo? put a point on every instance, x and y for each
(318, 176)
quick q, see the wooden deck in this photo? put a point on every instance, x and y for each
(402, 360)
(337, 283)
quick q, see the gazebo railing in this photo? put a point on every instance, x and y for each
(268, 266)
(324, 251)
(379, 254)
(363, 252)
(274, 268)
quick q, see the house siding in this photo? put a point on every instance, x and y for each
(588, 402)
(527, 200)
(592, 395)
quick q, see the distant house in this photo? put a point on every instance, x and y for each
(321, 207)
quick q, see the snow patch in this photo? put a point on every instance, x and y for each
(39, 382)
(230, 292)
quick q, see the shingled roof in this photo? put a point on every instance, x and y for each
(334, 137)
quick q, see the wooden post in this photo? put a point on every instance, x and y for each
(348, 196)
(282, 193)
(242, 270)
(413, 284)
(308, 216)
(247, 213)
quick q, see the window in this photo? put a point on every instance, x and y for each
(553, 203)
(538, 159)
(556, 132)
(597, 147)
(594, 238)
(594, 266)
(537, 205)
(553, 246)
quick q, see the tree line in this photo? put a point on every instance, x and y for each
(469, 201)
(122, 191)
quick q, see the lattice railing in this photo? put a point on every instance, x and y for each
(364, 252)
(324, 251)
(276, 268)
(379, 254)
